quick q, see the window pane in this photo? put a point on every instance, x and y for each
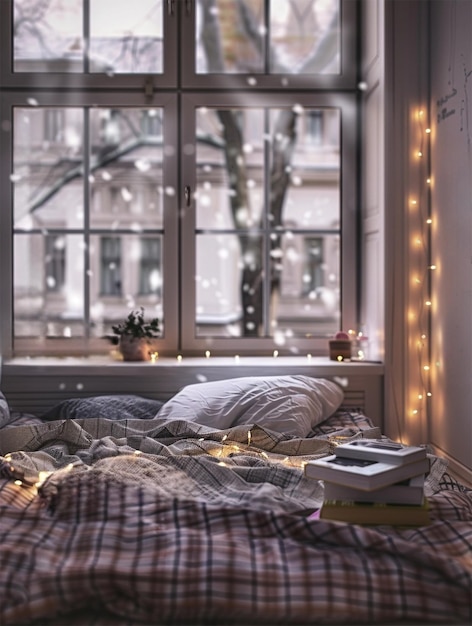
(274, 173)
(52, 36)
(301, 300)
(48, 168)
(284, 148)
(48, 286)
(126, 37)
(218, 285)
(307, 298)
(126, 168)
(272, 37)
(230, 168)
(223, 44)
(306, 150)
(305, 36)
(48, 36)
(125, 273)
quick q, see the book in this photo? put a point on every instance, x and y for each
(381, 450)
(408, 491)
(362, 473)
(369, 513)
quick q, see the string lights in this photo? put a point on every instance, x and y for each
(420, 302)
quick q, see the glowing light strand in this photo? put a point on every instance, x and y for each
(421, 222)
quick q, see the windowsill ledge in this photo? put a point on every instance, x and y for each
(96, 364)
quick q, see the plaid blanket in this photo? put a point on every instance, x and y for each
(159, 523)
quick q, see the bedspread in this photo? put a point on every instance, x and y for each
(171, 523)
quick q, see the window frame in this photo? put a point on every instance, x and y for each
(264, 345)
(146, 83)
(344, 80)
(177, 90)
(28, 346)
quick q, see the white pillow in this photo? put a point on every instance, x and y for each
(4, 411)
(286, 404)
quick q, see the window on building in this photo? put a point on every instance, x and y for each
(110, 266)
(150, 278)
(55, 263)
(196, 158)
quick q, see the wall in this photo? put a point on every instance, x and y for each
(417, 130)
(451, 166)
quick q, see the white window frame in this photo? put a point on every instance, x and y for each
(145, 83)
(263, 345)
(165, 91)
(344, 80)
(25, 346)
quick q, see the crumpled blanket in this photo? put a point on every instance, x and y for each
(249, 466)
(97, 551)
(170, 522)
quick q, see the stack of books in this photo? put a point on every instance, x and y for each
(373, 481)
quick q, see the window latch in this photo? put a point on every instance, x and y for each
(187, 194)
(171, 7)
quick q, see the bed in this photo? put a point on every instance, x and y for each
(123, 510)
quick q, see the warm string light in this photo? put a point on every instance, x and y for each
(31, 482)
(226, 449)
(421, 303)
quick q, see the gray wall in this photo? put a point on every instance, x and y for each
(417, 56)
(451, 166)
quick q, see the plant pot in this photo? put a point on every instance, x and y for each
(135, 348)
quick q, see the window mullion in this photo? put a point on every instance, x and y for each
(266, 228)
(86, 250)
(86, 35)
(267, 60)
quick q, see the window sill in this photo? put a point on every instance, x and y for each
(315, 365)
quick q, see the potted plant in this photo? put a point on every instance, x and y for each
(135, 336)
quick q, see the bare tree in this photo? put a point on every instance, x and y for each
(29, 19)
(252, 276)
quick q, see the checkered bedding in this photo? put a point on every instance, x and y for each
(168, 522)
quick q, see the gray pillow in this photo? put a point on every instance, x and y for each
(287, 404)
(116, 407)
(5, 417)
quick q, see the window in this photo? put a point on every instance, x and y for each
(193, 157)
(110, 266)
(150, 281)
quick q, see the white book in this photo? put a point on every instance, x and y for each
(381, 450)
(409, 491)
(362, 473)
